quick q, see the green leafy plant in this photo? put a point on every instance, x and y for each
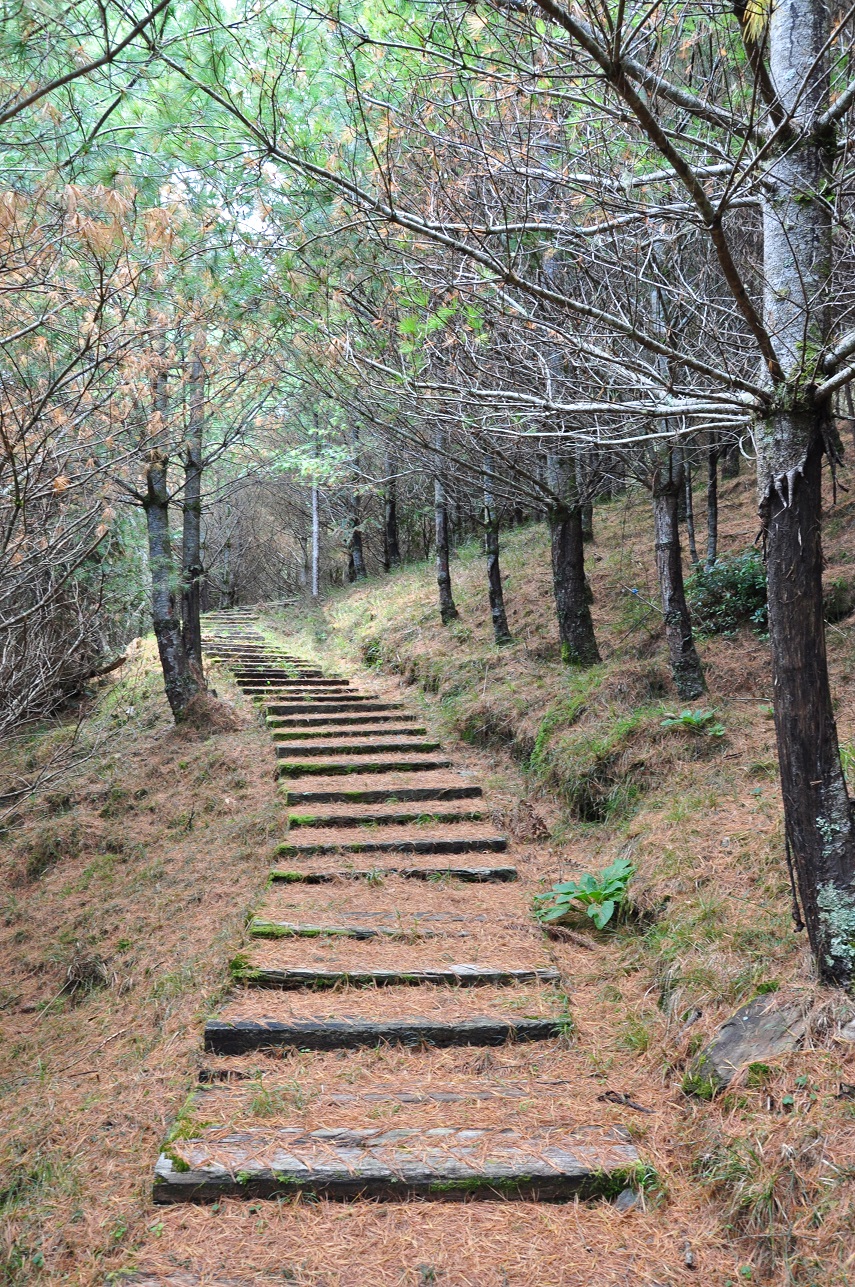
(602, 897)
(696, 721)
(730, 594)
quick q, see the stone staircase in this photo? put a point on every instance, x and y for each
(388, 925)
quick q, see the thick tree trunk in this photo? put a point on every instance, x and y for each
(685, 663)
(586, 516)
(816, 805)
(501, 630)
(690, 516)
(791, 440)
(712, 505)
(180, 683)
(572, 598)
(447, 610)
(391, 548)
(191, 550)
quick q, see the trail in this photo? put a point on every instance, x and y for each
(396, 915)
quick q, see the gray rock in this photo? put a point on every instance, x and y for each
(769, 1025)
(626, 1200)
(847, 1032)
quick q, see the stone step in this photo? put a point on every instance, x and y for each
(310, 682)
(492, 844)
(239, 1036)
(358, 745)
(348, 731)
(391, 1163)
(374, 790)
(343, 766)
(470, 875)
(379, 817)
(335, 721)
(329, 706)
(462, 976)
(259, 928)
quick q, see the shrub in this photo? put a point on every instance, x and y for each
(729, 595)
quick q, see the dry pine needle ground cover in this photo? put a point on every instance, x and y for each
(126, 891)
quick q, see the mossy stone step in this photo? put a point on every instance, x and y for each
(469, 875)
(382, 818)
(241, 1036)
(290, 929)
(442, 1163)
(340, 768)
(417, 845)
(379, 795)
(356, 747)
(467, 976)
(335, 721)
(318, 705)
(306, 734)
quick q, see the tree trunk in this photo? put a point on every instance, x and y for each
(447, 610)
(356, 569)
(391, 548)
(816, 805)
(730, 461)
(501, 629)
(586, 516)
(191, 551)
(180, 683)
(316, 541)
(572, 598)
(791, 441)
(690, 516)
(685, 663)
(712, 505)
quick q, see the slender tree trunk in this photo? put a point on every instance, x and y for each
(685, 663)
(391, 549)
(501, 629)
(712, 505)
(730, 461)
(316, 541)
(191, 551)
(586, 517)
(572, 598)
(791, 441)
(690, 516)
(447, 610)
(180, 682)
(356, 570)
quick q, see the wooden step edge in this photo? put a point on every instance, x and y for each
(363, 747)
(469, 875)
(436, 1164)
(343, 768)
(379, 795)
(463, 976)
(290, 929)
(301, 821)
(468, 845)
(241, 1036)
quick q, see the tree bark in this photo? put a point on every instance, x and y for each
(572, 597)
(791, 442)
(690, 515)
(191, 551)
(180, 683)
(447, 609)
(712, 505)
(501, 630)
(685, 663)
(391, 548)
(356, 570)
(730, 461)
(316, 541)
